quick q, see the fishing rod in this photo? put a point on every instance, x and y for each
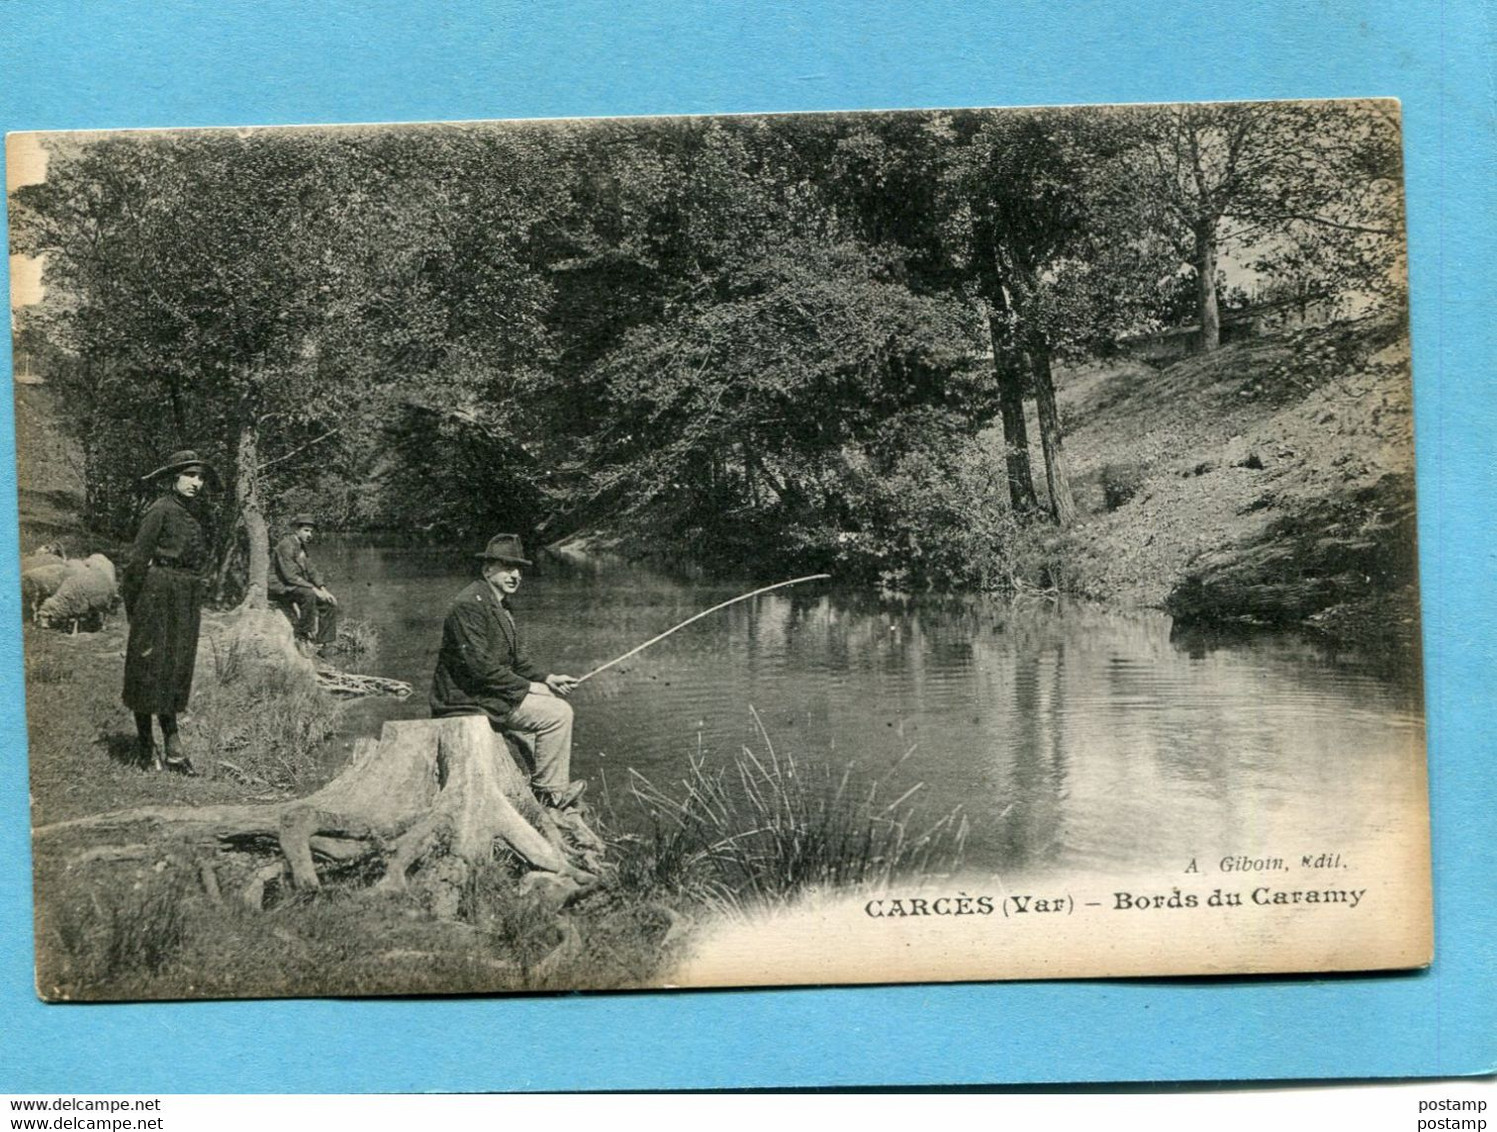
(698, 617)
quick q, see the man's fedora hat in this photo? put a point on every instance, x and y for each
(505, 548)
(179, 461)
(303, 520)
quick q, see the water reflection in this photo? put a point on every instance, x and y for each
(1073, 736)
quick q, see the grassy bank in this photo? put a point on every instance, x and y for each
(1269, 483)
(128, 915)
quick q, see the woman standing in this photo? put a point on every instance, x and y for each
(162, 586)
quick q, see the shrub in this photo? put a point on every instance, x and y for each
(1059, 562)
(1120, 483)
(922, 503)
(934, 514)
(357, 640)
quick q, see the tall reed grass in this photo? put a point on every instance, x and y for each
(762, 827)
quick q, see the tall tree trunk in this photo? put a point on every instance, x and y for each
(750, 470)
(1010, 380)
(252, 510)
(92, 489)
(1062, 506)
(226, 555)
(1206, 286)
(179, 417)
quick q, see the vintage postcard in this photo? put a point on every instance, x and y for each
(756, 550)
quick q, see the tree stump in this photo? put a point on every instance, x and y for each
(250, 638)
(428, 790)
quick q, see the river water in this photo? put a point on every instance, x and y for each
(1073, 737)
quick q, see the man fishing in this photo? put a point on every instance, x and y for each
(483, 669)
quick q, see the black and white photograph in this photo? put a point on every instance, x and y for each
(801, 549)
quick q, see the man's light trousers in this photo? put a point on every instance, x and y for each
(543, 724)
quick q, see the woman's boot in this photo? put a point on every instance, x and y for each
(145, 744)
(176, 760)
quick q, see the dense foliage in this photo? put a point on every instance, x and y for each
(764, 342)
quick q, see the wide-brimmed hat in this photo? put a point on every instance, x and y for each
(505, 548)
(179, 460)
(302, 521)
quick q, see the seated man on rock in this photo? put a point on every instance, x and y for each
(483, 669)
(296, 586)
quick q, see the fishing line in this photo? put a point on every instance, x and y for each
(698, 617)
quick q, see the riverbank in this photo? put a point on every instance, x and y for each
(134, 920)
(139, 908)
(1267, 484)
(121, 917)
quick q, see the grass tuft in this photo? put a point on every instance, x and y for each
(116, 936)
(761, 828)
(261, 724)
(45, 668)
(357, 640)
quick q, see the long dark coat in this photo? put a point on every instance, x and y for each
(483, 668)
(162, 586)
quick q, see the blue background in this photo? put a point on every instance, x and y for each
(97, 65)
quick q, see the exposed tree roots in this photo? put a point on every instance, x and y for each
(429, 798)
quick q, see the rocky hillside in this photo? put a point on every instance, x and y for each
(1268, 483)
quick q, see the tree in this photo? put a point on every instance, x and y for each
(1313, 185)
(731, 423)
(268, 295)
(1014, 215)
(189, 275)
(740, 349)
(464, 225)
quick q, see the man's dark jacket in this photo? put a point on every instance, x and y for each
(290, 571)
(482, 668)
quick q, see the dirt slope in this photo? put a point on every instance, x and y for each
(1270, 482)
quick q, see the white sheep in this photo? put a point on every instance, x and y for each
(39, 583)
(86, 594)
